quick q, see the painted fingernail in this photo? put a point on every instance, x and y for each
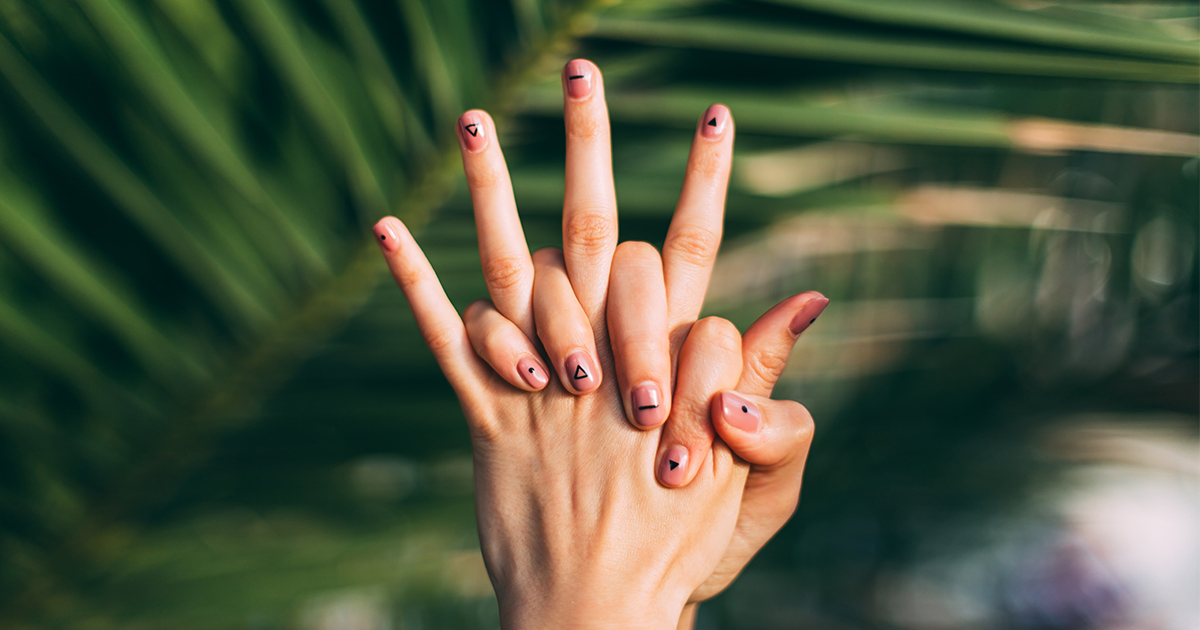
(472, 131)
(808, 314)
(647, 404)
(740, 412)
(713, 124)
(579, 79)
(532, 373)
(673, 468)
(581, 372)
(385, 232)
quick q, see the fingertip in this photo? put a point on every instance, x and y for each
(533, 374)
(579, 77)
(715, 121)
(387, 232)
(808, 313)
(474, 130)
(649, 408)
(582, 375)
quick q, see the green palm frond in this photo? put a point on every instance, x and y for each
(196, 346)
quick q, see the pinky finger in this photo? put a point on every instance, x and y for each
(439, 323)
(502, 344)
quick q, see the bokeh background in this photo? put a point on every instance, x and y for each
(215, 411)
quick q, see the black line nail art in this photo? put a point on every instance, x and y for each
(573, 77)
(645, 407)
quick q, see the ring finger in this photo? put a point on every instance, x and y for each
(507, 267)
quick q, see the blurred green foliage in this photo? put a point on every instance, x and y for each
(213, 413)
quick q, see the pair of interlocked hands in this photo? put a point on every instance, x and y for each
(609, 502)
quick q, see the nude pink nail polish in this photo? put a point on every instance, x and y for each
(386, 234)
(740, 412)
(581, 372)
(712, 125)
(673, 469)
(808, 314)
(646, 401)
(532, 373)
(472, 131)
(578, 78)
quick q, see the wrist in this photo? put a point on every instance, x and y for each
(589, 609)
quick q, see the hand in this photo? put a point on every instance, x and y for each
(644, 338)
(574, 527)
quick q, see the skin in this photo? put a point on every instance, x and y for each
(568, 536)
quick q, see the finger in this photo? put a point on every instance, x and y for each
(637, 330)
(767, 344)
(507, 267)
(766, 433)
(562, 325)
(774, 436)
(710, 359)
(436, 318)
(499, 342)
(695, 233)
(589, 200)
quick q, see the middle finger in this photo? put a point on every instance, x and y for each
(589, 200)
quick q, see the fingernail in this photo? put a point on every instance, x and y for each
(673, 468)
(808, 314)
(740, 412)
(579, 79)
(647, 404)
(472, 131)
(387, 235)
(581, 372)
(532, 373)
(713, 124)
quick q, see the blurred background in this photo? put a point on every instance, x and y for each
(215, 411)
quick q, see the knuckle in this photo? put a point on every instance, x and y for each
(637, 251)
(477, 308)
(583, 127)
(767, 367)
(718, 332)
(441, 339)
(505, 273)
(692, 412)
(481, 176)
(800, 422)
(589, 231)
(408, 276)
(547, 256)
(707, 164)
(695, 245)
(644, 348)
